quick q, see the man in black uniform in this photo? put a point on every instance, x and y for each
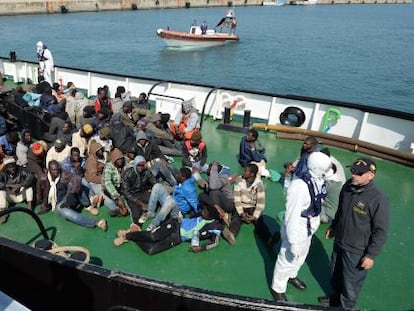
(360, 229)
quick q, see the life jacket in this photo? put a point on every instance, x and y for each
(42, 57)
(182, 126)
(201, 147)
(315, 205)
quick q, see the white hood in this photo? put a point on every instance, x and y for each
(319, 164)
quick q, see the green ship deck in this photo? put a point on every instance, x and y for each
(247, 267)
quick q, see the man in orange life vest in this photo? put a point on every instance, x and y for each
(186, 121)
(195, 157)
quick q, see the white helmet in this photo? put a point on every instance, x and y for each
(319, 164)
(229, 13)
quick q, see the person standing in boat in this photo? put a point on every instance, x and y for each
(301, 220)
(360, 229)
(46, 64)
(228, 21)
(203, 27)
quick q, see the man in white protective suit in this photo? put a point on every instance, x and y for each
(303, 206)
(46, 65)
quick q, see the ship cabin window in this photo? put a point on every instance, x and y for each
(195, 30)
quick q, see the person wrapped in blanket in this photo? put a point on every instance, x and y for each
(171, 232)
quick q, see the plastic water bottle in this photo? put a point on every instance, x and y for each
(195, 240)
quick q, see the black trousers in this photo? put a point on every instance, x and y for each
(260, 226)
(347, 277)
(135, 209)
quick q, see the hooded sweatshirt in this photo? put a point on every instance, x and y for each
(111, 178)
(94, 167)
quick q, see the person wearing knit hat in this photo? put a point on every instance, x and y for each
(59, 152)
(104, 138)
(37, 149)
(87, 129)
(105, 133)
(82, 137)
(186, 121)
(35, 164)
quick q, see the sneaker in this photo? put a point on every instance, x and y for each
(102, 224)
(144, 217)
(93, 210)
(150, 228)
(229, 236)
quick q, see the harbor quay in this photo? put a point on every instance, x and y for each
(17, 7)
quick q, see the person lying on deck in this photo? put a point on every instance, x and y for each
(171, 233)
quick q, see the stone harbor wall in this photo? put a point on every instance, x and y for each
(19, 7)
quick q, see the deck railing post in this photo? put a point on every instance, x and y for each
(246, 118)
(226, 115)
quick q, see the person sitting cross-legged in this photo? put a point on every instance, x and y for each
(249, 202)
(182, 201)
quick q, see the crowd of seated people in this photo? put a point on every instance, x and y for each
(120, 156)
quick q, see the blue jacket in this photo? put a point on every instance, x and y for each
(246, 155)
(185, 195)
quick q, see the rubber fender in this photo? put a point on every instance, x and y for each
(292, 116)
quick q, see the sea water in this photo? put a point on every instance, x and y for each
(355, 53)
